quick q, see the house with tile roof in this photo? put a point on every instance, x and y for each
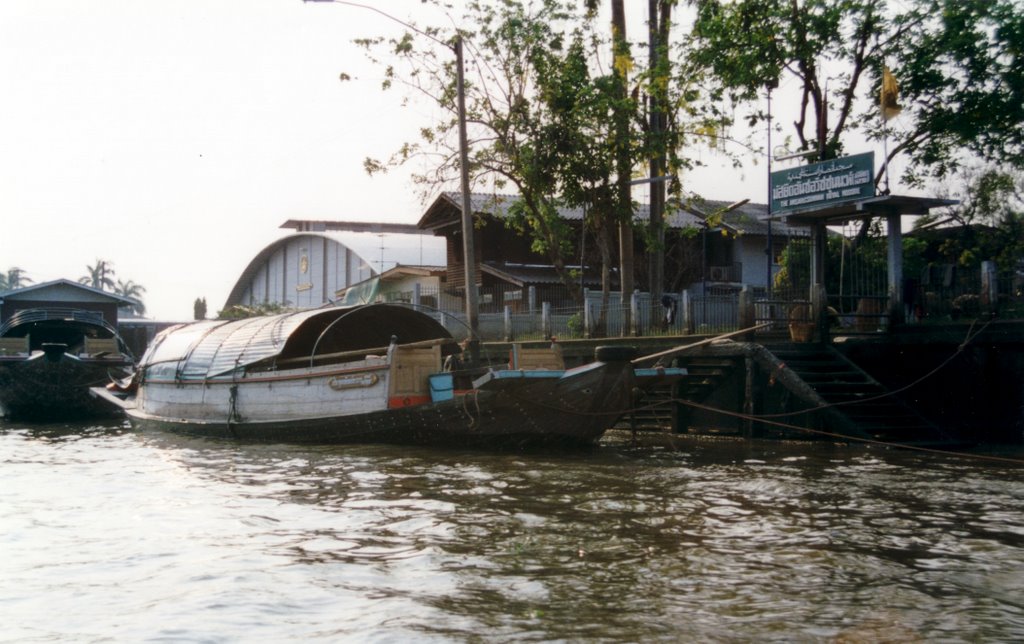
(709, 244)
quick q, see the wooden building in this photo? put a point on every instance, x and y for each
(727, 252)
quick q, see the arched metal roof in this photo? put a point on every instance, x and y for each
(217, 348)
(262, 257)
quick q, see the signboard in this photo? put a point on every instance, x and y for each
(822, 184)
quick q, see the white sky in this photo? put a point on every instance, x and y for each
(173, 138)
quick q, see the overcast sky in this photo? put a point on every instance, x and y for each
(173, 138)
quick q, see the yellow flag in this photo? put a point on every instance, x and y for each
(889, 95)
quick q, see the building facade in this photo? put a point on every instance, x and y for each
(304, 270)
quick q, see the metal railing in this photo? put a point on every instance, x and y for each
(508, 313)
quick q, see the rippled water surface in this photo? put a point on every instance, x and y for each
(109, 534)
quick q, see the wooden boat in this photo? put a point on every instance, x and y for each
(50, 357)
(368, 373)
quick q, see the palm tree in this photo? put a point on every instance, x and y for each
(100, 276)
(15, 278)
(133, 292)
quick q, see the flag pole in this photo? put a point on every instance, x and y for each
(888, 107)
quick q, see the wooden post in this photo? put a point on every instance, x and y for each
(531, 295)
(508, 323)
(634, 314)
(989, 288)
(686, 310)
(545, 319)
(416, 294)
(680, 413)
(819, 237)
(746, 311)
(819, 312)
(586, 317)
(894, 257)
(747, 424)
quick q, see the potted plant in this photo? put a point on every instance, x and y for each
(801, 323)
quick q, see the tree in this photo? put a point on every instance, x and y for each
(574, 150)
(100, 275)
(133, 292)
(199, 309)
(512, 48)
(958, 63)
(989, 219)
(13, 279)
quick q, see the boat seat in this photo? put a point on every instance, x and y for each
(14, 346)
(101, 346)
(537, 358)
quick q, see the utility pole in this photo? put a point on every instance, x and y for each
(769, 251)
(468, 247)
(657, 30)
(468, 250)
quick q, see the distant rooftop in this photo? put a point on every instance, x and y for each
(323, 225)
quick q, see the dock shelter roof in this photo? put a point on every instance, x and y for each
(213, 348)
(880, 206)
(65, 291)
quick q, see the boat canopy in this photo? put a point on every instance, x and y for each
(215, 348)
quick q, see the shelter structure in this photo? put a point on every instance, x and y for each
(835, 192)
(63, 294)
(418, 285)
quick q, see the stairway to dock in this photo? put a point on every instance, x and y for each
(856, 400)
(803, 384)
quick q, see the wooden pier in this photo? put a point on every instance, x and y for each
(936, 386)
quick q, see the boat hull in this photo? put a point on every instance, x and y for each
(42, 388)
(566, 410)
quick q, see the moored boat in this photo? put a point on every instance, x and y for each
(50, 357)
(369, 373)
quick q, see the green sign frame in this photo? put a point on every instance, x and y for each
(823, 184)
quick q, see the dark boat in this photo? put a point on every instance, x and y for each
(370, 373)
(50, 357)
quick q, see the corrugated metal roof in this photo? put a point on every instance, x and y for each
(522, 275)
(214, 348)
(750, 218)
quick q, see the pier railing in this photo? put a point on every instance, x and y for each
(516, 313)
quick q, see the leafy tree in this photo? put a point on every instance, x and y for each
(958, 63)
(989, 220)
(133, 292)
(199, 309)
(13, 279)
(508, 43)
(545, 117)
(100, 275)
(238, 311)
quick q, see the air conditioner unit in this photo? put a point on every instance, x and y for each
(719, 273)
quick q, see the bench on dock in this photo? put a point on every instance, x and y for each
(14, 346)
(99, 347)
(537, 358)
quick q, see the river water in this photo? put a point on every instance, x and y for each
(107, 534)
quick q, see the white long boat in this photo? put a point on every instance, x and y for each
(368, 373)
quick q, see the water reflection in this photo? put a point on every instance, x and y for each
(713, 541)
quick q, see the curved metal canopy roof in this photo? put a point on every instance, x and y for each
(213, 348)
